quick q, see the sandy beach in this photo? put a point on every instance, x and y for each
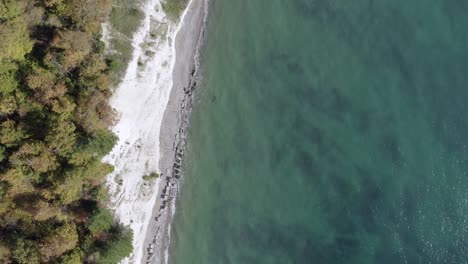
(148, 102)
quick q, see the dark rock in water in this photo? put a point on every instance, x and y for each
(193, 72)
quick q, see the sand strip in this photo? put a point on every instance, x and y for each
(141, 100)
(173, 130)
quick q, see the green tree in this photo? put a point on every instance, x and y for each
(9, 9)
(8, 78)
(26, 252)
(15, 39)
(3, 153)
(75, 257)
(117, 248)
(101, 143)
(11, 134)
(69, 189)
(102, 220)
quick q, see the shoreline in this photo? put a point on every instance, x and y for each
(188, 42)
(150, 102)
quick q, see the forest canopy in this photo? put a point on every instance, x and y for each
(54, 130)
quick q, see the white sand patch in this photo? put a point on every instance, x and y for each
(140, 100)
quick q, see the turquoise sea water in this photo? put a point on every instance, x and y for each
(329, 131)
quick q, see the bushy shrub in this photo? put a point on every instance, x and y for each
(151, 176)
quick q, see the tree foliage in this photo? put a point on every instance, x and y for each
(26, 252)
(54, 121)
(101, 221)
(61, 240)
(13, 32)
(117, 248)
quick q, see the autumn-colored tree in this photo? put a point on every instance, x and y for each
(42, 82)
(33, 14)
(8, 105)
(4, 252)
(93, 73)
(61, 240)
(94, 113)
(61, 138)
(54, 120)
(88, 14)
(75, 46)
(44, 210)
(35, 155)
(17, 181)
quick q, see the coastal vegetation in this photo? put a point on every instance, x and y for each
(125, 17)
(151, 176)
(54, 119)
(173, 8)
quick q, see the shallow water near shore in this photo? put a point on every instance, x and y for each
(328, 132)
